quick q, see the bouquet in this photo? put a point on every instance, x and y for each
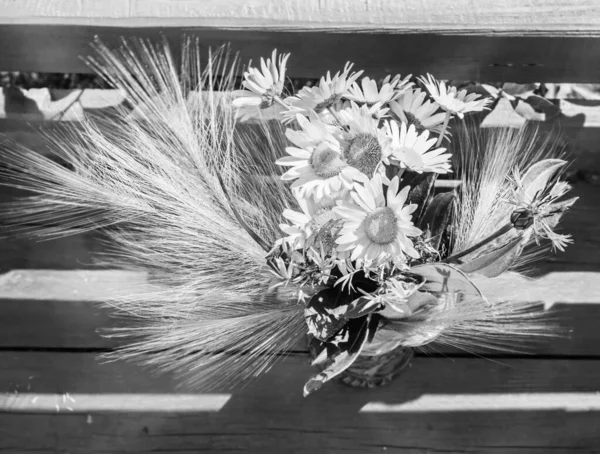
(261, 217)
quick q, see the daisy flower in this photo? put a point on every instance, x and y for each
(365, 146)
(313, 217)
(377, 226)
(413, 109)
(413, 150)
(368, 93)
(453, 101)
(317, 163)
(326, 94)
(263, 88)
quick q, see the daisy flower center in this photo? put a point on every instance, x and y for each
(363, 152)
(381, 226)
(325, 162)
(326, 103)
(268, 97)
(412, 120)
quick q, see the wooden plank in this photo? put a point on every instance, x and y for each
(55, 324)
(437, 405)
(511, 17)
(72, 324)
(484, 57)
(74, 252)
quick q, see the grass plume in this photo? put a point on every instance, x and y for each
(149, 177)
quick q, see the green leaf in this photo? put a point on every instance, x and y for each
(536, 108)
(543, 106)
(320, 315)
(437, 217)
(536, 178)
(328, 311)
(359, 308)
(518, 89)
(349, 350)
(496, 262)
(421, 187)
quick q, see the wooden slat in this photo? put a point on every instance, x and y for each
(508, 17)
(521, 406)
(66, 311)
(464, 40)
(69, 253)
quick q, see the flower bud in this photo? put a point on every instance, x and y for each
(521, 218)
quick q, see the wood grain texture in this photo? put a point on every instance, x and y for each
(511, 17)
(489, 57)
(270, 415)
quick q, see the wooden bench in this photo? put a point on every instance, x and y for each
(57, 396)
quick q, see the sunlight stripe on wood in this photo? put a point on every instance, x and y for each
(491, 402)
(106, 402)
(98, 285)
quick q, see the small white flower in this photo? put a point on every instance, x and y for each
(317, 164)
(367, 92)
(306, 223)
(297, 232)
(451, 100)
(284, 273)
(414, 151)
(539, 208)
(263, 87)
(326, 94)
(395, 296)
(412, 108)
(377, 226)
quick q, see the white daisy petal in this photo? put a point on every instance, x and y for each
(264, 86)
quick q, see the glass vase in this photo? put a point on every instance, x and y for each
(379, 363)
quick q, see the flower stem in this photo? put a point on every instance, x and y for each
(444, 127)
(336, 117)
(501, 231)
